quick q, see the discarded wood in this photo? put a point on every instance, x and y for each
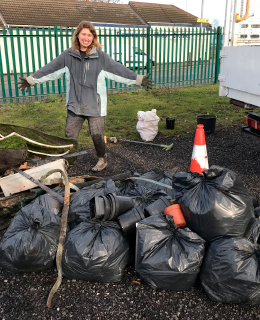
(82, 179)
(117, 177)
(16, 183)
(35, 163)
(63, 230)
(52, 193)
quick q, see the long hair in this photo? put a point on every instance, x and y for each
(75, 39)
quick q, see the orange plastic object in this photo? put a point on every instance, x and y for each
(175, 211)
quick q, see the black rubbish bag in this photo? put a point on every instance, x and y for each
(95, 251)
(214, 204)
(79, 202)
(49, 202)
(167, 257)
(126, 185)
(30, 243)
(143, 197)
(230, 272)
(158, 176)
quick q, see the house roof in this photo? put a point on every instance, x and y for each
(68, 13)
(161, 13)
(65, 13)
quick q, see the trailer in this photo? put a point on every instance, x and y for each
(239, 75)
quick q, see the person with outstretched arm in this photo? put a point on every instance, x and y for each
(86, 68)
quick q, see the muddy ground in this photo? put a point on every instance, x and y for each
(24, 296)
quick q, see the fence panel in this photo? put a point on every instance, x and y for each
(173, 56)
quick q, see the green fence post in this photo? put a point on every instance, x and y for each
(2, 78)
(110, 52)
(39, 55)
(143, 36)
(151, 52)
(134, 50)
(206, 57)
(211, 55)
(218, 48)
(184, 55)
(7, 63)
(160, 57)
(105, 48)
(195, 56)
(198, 71)
(168, 56)
(180, 56)
(115, 50)
(57, 53)
(26, 57)
(33, 61)
(120, 53)
(125, 49)
(148, 48)
(172, 55)
(202, 56)
(176, 56)
(138, 51)
(191, 58)
(45, 56)
(51, 56)
(164, 52)
(14, 63)
(61, 50)
(155, 56)
(188, 52)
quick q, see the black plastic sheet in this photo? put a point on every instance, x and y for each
(167, 257)
(159, 176)
(95, 251)
(230, 272)
(126, 185)
(214, 204)
(30, 242)
(79, 202)
(49, 202)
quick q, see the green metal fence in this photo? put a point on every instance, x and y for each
(173, 56)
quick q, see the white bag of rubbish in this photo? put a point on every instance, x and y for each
(147, 124)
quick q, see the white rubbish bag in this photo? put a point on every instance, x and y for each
(147, 124)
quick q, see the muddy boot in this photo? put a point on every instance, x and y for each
(101, 165)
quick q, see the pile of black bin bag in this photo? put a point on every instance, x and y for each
(112, 224)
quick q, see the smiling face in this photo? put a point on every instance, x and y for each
(85, 39)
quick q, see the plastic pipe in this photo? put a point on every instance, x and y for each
(246, 14)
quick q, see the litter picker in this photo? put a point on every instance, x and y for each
(163, 146)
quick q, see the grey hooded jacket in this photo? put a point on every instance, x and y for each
(86, 85)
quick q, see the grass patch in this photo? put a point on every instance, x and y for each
(49, 115)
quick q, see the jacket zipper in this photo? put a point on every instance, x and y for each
(85, 72)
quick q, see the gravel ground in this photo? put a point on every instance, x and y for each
(24, 296)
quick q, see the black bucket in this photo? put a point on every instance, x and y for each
(157, 206)
(170, 123)
(128, 220)
(209, 122)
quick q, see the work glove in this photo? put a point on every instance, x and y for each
(23, 84)
(147, 83)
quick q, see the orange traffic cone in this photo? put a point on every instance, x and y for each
(199, 158)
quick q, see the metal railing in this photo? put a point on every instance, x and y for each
(173, 56)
